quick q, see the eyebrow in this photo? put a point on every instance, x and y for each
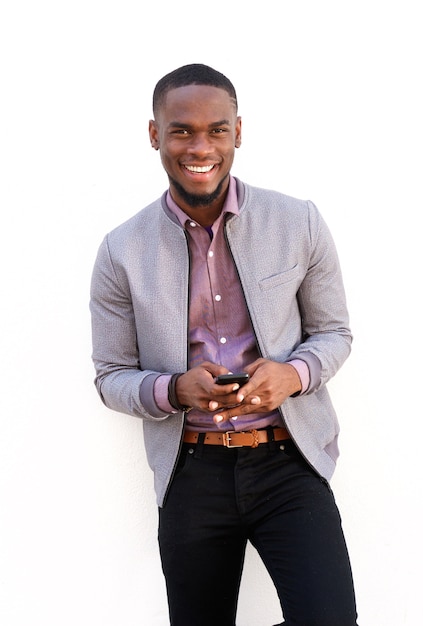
(176, 124)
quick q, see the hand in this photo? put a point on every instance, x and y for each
(269, 385)
(196, 386)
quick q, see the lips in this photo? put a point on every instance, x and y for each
(196, 169)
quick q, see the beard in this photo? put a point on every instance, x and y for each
(196, 200)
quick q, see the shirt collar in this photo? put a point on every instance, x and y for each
(230, 205)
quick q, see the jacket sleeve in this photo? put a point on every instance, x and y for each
(322, 302)
(119, 378)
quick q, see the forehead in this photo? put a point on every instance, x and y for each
(204, 100)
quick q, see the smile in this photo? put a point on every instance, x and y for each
(199, 170)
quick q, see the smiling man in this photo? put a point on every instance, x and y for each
(197, 146)
(214, 277)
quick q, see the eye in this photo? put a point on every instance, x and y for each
(219, 131)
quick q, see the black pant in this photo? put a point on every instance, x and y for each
(219, 499)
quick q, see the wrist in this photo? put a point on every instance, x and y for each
(303, 375)
(173, 396)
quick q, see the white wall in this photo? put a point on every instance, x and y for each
(330, 97)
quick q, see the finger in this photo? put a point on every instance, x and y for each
(247, 389)
(221, 417)
(224, 390)
(222, 402)
(241, 395)
(225, 416)
(240, 409)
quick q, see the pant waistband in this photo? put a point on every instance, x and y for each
(234, 439)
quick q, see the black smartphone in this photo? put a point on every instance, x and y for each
(226, 379)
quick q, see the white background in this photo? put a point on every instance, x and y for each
(330, 95)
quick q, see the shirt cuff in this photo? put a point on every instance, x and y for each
(148, 399)
(161, 385)
(303, 372)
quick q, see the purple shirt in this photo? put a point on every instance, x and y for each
(220, 330)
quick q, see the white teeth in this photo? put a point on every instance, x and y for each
(199, 170)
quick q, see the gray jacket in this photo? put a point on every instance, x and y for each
(290, 275)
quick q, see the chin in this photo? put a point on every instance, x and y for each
(195, 198)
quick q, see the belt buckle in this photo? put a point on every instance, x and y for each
(226, 437)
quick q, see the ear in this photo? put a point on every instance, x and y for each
(153, 131)
(238, 132)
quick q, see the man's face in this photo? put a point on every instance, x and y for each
(197, 131)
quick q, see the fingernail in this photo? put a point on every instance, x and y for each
(234, 418)
(213, 405)
(235, 387)
(218, 418)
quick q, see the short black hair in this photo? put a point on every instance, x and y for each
(194, 74)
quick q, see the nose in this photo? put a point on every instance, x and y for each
(200, 144)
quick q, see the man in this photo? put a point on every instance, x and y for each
(216, 277)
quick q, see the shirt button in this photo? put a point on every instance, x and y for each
(193, 224)
(211, 253)
(222, 340)
(218, 298)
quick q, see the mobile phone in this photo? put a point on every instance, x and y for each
(226, 379)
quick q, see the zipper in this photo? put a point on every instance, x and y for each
(186, 365)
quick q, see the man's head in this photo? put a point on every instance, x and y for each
(196, 129)
(194, 74)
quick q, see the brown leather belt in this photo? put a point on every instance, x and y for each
(233, 439)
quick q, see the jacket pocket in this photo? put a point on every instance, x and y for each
(279, 279)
